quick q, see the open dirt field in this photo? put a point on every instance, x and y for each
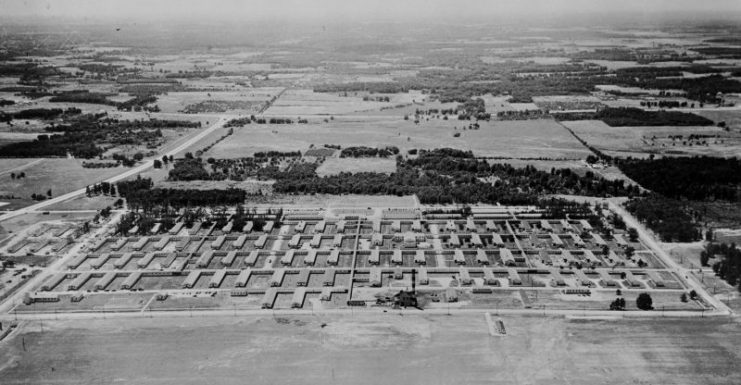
(632, 141)
(731, 117)
(517, 139)
(59, 175)
(307, 102)
(334, 166)
(372, 349)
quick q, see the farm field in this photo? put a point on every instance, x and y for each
(334, 166)
(731, 117)
(8, 164)
(371, 348)
(638, 141)
(295, 103)
(515, 139)
(59, 175)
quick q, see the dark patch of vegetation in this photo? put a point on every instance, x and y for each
(140, 195)
(669, 218)
(616, 117)
(728, 267)
(696, 178)
(368, 152)
(188, 169)
(447, 176)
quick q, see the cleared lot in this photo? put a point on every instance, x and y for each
(372, 349)
(641, 141)
(334, 166)
(517, 139)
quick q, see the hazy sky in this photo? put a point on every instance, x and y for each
(350, 9)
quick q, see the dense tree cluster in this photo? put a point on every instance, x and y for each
(140, 193)
(81, 136)
(188, 169)
(40, 113)
(695, 178)
(637, 117)
(728, 267)
(449, 175)
(368, 152)
(667, 217)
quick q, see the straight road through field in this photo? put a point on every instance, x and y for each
(671, 263)
(131, 172)
(22, 167)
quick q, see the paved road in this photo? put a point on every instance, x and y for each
(185, 312)
(668, 260)
(58, 265)
(126, 174)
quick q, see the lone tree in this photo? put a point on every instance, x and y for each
(618, 304)
(644, 302)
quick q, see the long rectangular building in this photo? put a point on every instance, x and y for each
(191, 279)
(375, 277)
(229, 258)
(217, 278)
(268, 300)
(261, 241)
(329, 277)
(53, 282)
(287, 258)
(277, 278)
(218, 242)
(375, 257)
(140, 243)
(242, 278)
(396, 257)
(239, 242)
(97, 263)
(123, 260)
(295, 241)
(251, 259)
(162, 242)
(334, 257)
(459, 257)
(419, 257)
(303, 277)
(106, 280)
(131, 280)
(205, 259)
(298, 297)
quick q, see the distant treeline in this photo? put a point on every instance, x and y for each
(82, 136)
(368, 152)
(140, 194)
(637, 117)
(695, 178)
(729, 265)
(39, 113)
(446, 176)
(667, 217)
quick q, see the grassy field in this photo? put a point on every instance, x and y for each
(731, 117)
(519, 139)
(334, 166)
(372, 349)
(8, 164)
(59, 175)
(307, 102)
(638, 141)
(177, 101)
(84, 203)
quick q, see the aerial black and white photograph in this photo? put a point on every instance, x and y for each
(365, 192)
